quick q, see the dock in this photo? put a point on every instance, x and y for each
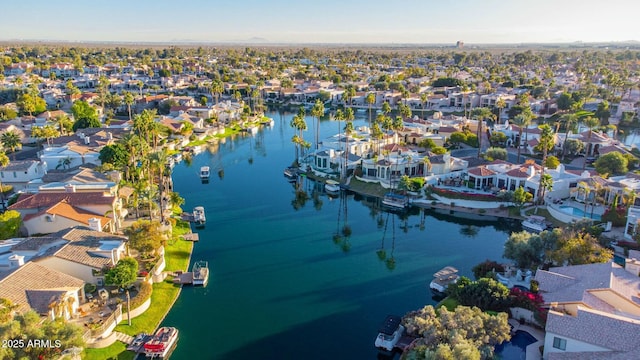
(404, 342)
(191, 237)
(198, 277)
(184, 278)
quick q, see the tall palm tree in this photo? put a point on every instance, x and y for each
(128, 100)
(299, 123)
(569, 121)
(424, 97)
(63, 123)
(370, 100)
(4, 161)
(481, 114)
(546, 142)
(591, 123)
(317, 111)
(216, 88)
(500, 104)
(10, 140)
(546, 184)
(522, 121)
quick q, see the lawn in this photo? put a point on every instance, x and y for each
(373, 189)
(178, 251)
(162, 298)
(545, 213)
(115, 351)
(450, 303)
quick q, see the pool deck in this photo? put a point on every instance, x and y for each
(533, 350)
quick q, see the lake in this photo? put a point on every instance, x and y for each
(282, 285)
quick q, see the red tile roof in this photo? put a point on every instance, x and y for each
(481, 171)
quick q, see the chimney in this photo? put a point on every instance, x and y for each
(15, 261)
(109, 135)
(87, 140)
(94, 224)
(561, 169)
(532, 170)
(70, 188)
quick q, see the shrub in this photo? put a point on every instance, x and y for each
(144, 293)
(618, 216)
(481, 270)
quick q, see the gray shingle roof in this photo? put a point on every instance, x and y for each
(82, 243)
(605, 330)
(20, 165)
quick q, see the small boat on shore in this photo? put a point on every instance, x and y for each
(332, 187)
(198, 216)
(395, 201)
(535, 224)
(443, 278)
(205, 173)
(389, 333)
(161, 343)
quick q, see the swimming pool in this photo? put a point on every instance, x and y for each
(516, 349)
(578, 212)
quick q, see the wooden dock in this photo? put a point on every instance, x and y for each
(184, 278)
(191, 237)
(404, 342)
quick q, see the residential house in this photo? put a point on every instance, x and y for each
(48, 212)
(67, 157)
(594, 311)
(19, 173)
(47, 291)
(86, 254)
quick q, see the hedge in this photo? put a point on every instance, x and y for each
(144, 293)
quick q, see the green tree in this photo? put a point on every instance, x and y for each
(4, 161)
(485, 293)
(465, 333)
(10, 140)
(545, 144)
(145, 236)
(123, 275)
(115, 154)
(10, 222)
(495, 153)
(525, 249)
(546, 184)
(552, 162)
(569, 121)
(498, 138)
(458, 137)
(573, 146)
(522, 121)
(317, 111)
(438, 150)
(7, 113)
(64, 124)
(577, 248)
(591, 123)
(31, 104)
(564, 101)
(128, 100)
(85, 115)
(481, 114)
(603, 112)
(613, 163)
(521, 197)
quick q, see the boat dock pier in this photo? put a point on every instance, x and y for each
(198, 277)
(191, 237)
(404, 342)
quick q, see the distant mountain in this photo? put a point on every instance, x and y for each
(256, 39)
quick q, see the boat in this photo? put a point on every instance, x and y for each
(198, 216)
(205, 173)
(200, 273)
(396, 201)
(291, 173)
(443, 278)
(332, 187)
(535, 224)
(389, 333)
(161, 343)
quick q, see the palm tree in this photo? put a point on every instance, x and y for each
(424, 97)
(546, 183)
(546, 142)
(216, 88)
(128, 100)
(569, 120)
(140, 86)
(10, 140)
(522, 121)
(370, 99)
(317, 111)
(299, 123)
(591, 123)
(586, 189)
(4, 161)
(427, 164)
(481, 114)
(63, 122)
(500, 104)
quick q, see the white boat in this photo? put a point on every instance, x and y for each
(535, 224)
(200, 273)
(389, 333)
(332, 187)
(161, 343)
(205, 173)
(443, 278)
(396, 201)
(291, 173)
(198, 216)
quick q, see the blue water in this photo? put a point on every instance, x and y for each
(516, 349)
(281, 287)
(578, 212)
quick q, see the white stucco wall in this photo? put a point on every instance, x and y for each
(572, 345)
(40, 225)
(74, 269)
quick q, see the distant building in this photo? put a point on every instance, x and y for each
(460, 44)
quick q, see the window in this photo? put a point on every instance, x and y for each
(15, 175)
(559, 343)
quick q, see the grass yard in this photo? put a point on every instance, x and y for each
(373, 189)
(450, 303)
(178, 251)
(162, 298)
(545, 213)
(116, 351)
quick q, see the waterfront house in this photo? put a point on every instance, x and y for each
(47, 291)
(47, 212)
(85, 253)
(593, 311)
(66, 157)
(19, 173)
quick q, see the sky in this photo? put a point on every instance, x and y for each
(327, 21)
